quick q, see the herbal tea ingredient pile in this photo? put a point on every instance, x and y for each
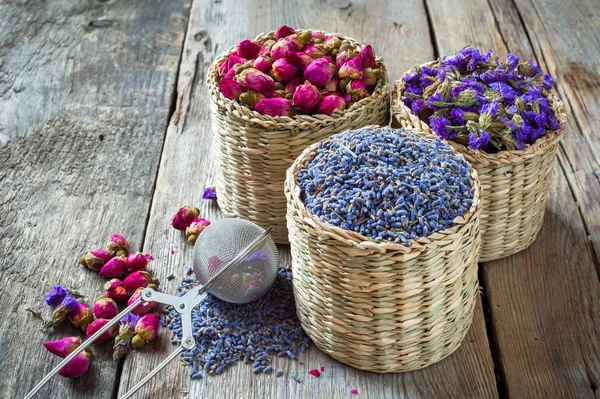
(300, 72)
(480, 102)
(387, 185)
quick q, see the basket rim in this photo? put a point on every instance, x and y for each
(419, 244)
(506, 156)
(380, 91)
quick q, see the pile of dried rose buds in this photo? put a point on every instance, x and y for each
(300, 72)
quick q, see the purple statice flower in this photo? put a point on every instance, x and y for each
(490, 108)
(427, 71)
(494, 75)
(131, 320)
(209, 193)
(468, 84)
(536, 68)
(553, 123)
(439, 124)
(435, 97)
(69, 302)
(532, 95)
(414, 89)
(55, 297)
(412, 77)
(418, 106)
(548, 81)
(506, 91)
(512, 60)
(478, 142)
(407, 101)
(457, 116)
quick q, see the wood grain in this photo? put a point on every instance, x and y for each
(85, 91)
(544, 303)
(397, 31)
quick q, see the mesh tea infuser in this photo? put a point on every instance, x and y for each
(234, 260)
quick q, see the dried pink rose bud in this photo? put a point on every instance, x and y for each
(283, 71)
(140, 280)
(251, 97)
(138, 261)
(63, 347)
(263, 64)
(330, 103)
(319, 72)
(184, 217)
(147, 326)
(230, 63)
(342, 58)
(81, 316)
(306, 97)
(248, 49)
(106, 335)
(265, 49)
(295, 41)
(347, 97)
(283, 49)
(369, 77)
(314, 51)
(254, 79)
(333, 84)
(367, 56)
(96, 258)
(330, 60)
(332, 42)
(357, 88)
(116, 267)
(302, 60)
(274, 107)
(316, 35)
(293, 85)
(284, 31)
(105, 308)
(352, 69)
(229, 87)
(197, 227)
(78, 366)
(118, 245)
(115, 290)
(144, 307)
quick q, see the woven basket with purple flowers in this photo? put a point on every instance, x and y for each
(506, 120)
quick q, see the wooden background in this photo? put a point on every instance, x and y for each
(104, 127)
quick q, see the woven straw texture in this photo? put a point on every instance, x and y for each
(515, 183)
(382, 307)
(254, 151)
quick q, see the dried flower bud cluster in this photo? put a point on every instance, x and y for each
(476, 100)
(187, 218)
(300, 71)
(63, 348)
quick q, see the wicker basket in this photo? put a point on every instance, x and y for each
(254, 150)
(515, 183)
(382, 307)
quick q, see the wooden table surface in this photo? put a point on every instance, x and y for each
(105, 127)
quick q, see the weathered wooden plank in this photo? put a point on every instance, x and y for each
(536, 297)
(85, 92)
(398, 31)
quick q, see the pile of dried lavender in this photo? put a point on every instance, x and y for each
(386, 184)
(226, 333)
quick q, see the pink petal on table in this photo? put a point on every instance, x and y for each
(354, 392)
(314, 373)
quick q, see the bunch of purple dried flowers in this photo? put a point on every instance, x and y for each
(476, 100)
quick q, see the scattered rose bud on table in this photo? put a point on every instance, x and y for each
(118, 245)
(105, 308)
(184, 217)
(115, 289)
(81, 316)
(63, 347)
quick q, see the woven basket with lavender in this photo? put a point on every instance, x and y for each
(506, 120)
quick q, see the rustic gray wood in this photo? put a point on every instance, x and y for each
(397, 31)
(85, 93)
(544, 301)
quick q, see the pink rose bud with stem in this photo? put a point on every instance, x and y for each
(295, 41)
(293, 84)
(78, 366)
(184, 217)
(146, 330)
(352, 69)
(140, 280)
(60, 312)
(274, 107)
(357, 88)
(332, 42)
(316, 35)
(248, 49)
(254, 79)
(106, 335)
(333, 84)
(265, 49)
(230, 63)
(116, 267)
(302, 60)
(81, 316)
(230, 88)
(96, 258)
(314, 51)
(369, 77)
(306, 97)
(138, 261)
(115, 290)
(63, 347)
(367, 56)
(285, 50)
(284, 31)
(197, 227)
(105, 308)
(331, 103)
(263, 64)
(319, 72)
(342, 58)
(118, 245)
(283, 71)
(144, 307)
